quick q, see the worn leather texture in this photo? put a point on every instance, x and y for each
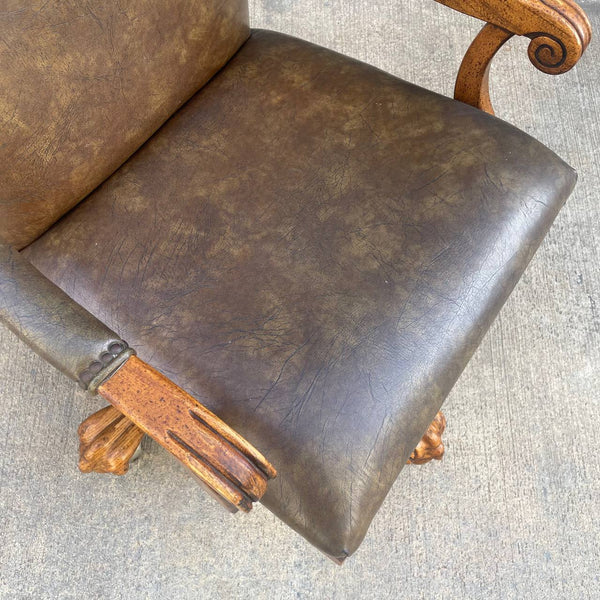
(314, 249)
(50, 322)
(84, 83)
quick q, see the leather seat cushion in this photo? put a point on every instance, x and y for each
(314, 249)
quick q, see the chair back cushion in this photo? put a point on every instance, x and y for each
(84, 83)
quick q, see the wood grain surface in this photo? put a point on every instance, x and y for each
(559, 30)
(217, 455)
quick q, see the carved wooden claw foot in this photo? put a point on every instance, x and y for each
(431, 446)
(107, 442)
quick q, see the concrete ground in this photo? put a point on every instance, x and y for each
(512, 511)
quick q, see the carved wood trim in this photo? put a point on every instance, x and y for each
(559, 31)
(145, 401)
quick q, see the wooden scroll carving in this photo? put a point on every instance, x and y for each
(431, 446)
(559, 31)
(220, 458)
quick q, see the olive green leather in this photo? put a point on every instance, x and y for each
(313, 249)
(84, 83)
(52, 324)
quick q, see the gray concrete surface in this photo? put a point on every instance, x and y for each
(512, 512)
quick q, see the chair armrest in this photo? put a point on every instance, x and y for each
(54, 325)
(82, 347)
(559, 31)
(219, 457)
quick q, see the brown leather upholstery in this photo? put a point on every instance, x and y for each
(52, 323)
(84, 84)
(314, 249)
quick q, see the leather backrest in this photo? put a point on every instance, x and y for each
(83, 83)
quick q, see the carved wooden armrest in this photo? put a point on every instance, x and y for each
(231, 468)
(559, 31)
